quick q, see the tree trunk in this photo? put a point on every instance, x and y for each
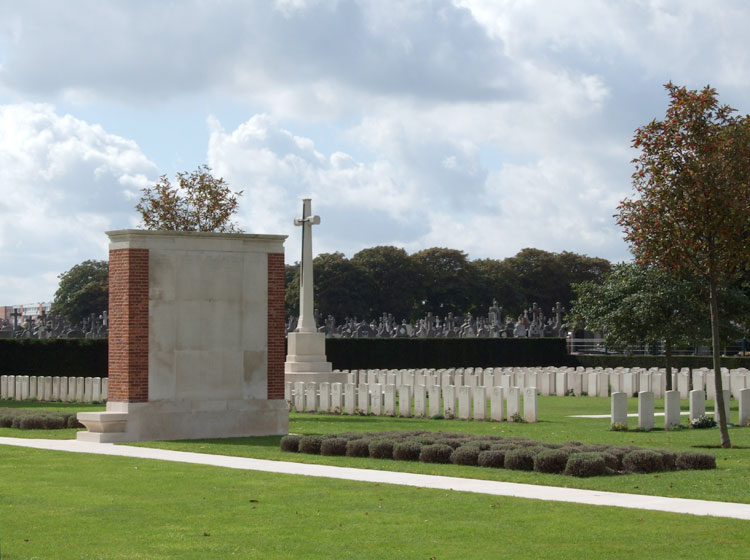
(668, 359)
(714, 304)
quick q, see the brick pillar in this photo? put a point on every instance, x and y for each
(128, 325)
(276, 326)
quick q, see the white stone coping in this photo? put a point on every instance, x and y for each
(194, 240)
(510, 489)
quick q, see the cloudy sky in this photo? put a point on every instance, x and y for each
(481, 125)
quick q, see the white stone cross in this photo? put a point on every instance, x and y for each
(306, 321)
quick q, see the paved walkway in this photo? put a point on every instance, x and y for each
(630, 415)
(550, 493)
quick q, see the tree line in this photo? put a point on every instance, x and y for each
(386, 279)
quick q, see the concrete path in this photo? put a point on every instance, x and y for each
(630, 415)
(550, 493)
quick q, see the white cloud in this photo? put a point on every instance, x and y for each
(326, 51)
(63, 182)
(483, 125)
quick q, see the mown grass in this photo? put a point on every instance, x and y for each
(729, 482)
(71, 506)
(38, 405)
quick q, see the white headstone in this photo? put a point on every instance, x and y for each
(376, 399)
(404, 401)
(324, 399)
(350, 398)
(449, 401)
(497, 404)
(514, 403)
(434, 399)
(619, 409)
(744, 406)
(646, 410)
(389, 398)
(420, 401)
(530, 404)
(697, 404)
(464, 402)
(480, 403)
(671, 409)
(311, 397)
(337, 397)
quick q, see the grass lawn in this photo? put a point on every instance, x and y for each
(730, 482)
(66, 505)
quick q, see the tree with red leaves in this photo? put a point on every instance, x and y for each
(691, 215)
(199, 202)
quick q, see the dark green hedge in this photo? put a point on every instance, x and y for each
(62, 356)
(395, 353)
(88, 358)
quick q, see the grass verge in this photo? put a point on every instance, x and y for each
(68, 505)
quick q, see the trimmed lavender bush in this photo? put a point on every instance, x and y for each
(643, 461)
(586, 464)
(310, 444)
(437, 453)
(492, 458)
(520, 459)
(381, 449)
(333, 446)
(465, 455)
(358, 448)
(406, 451)
(551, 461)
(290, 443)
(695, 460)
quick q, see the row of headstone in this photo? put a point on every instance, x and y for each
(45, 388)
(421, 401)
(672, 413)
(56, 326)
(561, 381)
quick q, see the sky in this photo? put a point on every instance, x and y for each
(486, 126)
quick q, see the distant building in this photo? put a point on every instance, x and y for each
(24, 312)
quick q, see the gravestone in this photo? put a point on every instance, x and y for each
(671, 409)
(646, 410)
(697, 403)
(619, 409)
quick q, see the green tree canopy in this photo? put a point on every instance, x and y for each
(84, 289)
(394, 280)
(691, 212)
(495, 280)
(342, 288)
(545, 278)
(199, 202)
(445, 284)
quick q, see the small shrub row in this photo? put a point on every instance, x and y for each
(26, 419)
(571, 458)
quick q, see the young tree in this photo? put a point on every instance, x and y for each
(199, 202)
(636, 304)
(691, 216)
(84, 289)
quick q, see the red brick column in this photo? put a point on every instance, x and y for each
(276, 326)
(128, 325)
